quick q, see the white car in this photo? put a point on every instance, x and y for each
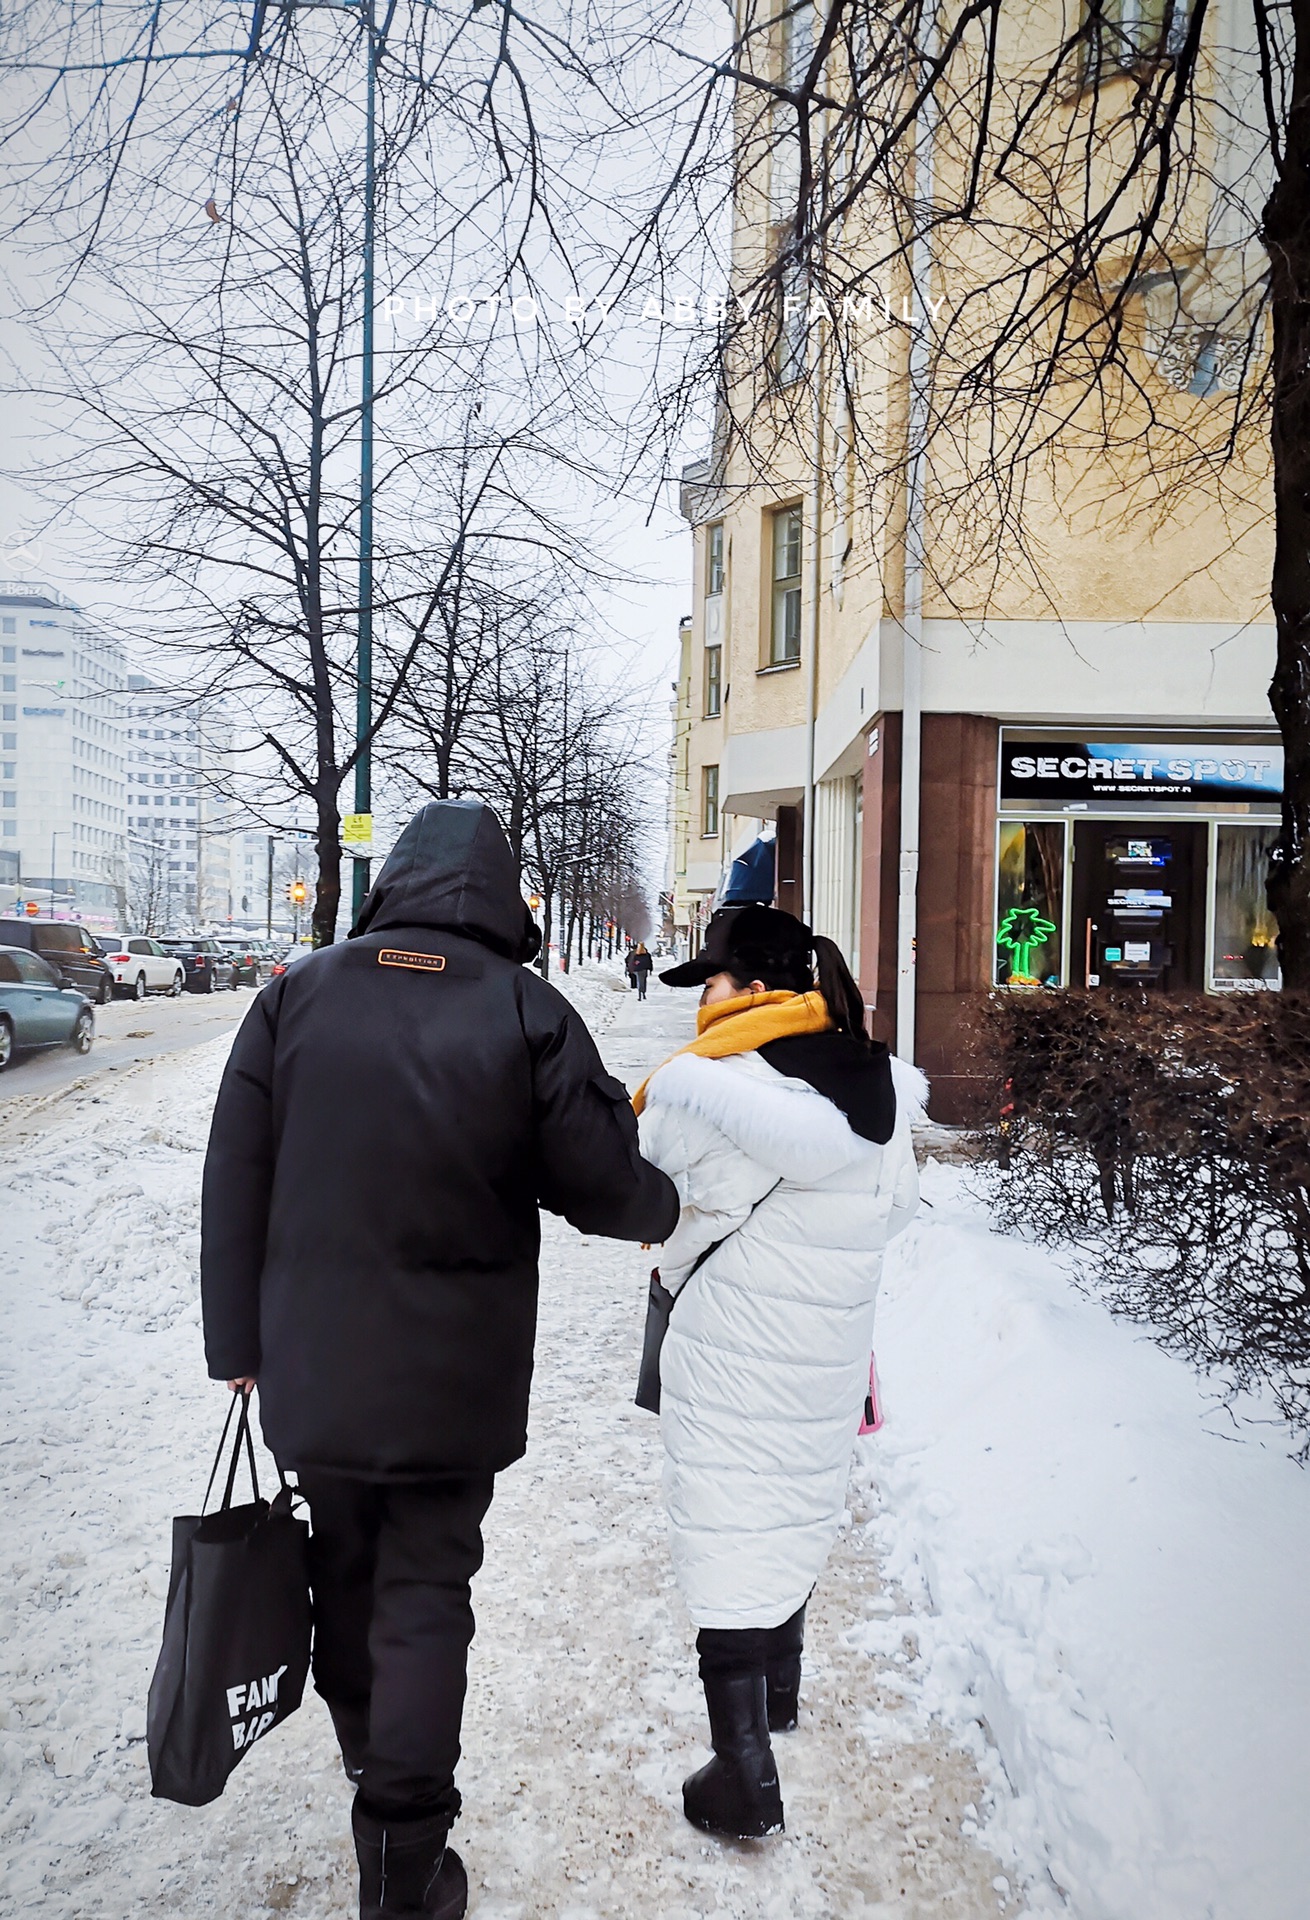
(141, 966)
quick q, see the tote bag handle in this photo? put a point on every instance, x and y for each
(242, 1433)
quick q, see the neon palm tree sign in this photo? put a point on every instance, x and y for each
(1022, 931)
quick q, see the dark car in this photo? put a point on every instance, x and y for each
(70, 949)
(207, 965)
(37, 1009)
(247, 956)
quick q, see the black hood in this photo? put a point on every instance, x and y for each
(856, 1075)
(452, 869)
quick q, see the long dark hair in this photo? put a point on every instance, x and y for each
(787, 970)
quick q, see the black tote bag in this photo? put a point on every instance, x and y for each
(236, 1633)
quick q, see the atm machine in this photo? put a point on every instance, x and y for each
(1139, 894)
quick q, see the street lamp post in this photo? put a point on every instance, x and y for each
(364, 628)
(364, 641)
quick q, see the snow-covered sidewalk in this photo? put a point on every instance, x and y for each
(584, 1713)
(1058, 1545)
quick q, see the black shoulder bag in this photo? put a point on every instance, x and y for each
(659, 1305)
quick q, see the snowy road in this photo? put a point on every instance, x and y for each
(584, 1714)
(127, 1031)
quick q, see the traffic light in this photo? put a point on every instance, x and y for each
(297, 893)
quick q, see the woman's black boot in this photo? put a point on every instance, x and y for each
(737, 1794)
(405, 1867)
(782, 1672)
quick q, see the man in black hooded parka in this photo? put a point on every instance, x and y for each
(394, 1113)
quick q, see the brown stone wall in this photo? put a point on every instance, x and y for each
(957, 839)
(957, 843)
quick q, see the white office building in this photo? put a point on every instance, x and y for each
(63, 809)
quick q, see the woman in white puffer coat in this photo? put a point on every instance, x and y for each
(781, 1128)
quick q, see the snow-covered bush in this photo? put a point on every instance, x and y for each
(1171, 1138)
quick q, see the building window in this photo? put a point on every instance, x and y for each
(795, 42)
(785, 635)
(1122, 34)
(1029, 903)
(8, 800)
(714, 558)
(710, 806)
(713, 682)
(1245, 931)
(792, 325)
(9, 683)
(9, 625)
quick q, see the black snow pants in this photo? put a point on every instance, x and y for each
(391, 1567)
(749, 1649)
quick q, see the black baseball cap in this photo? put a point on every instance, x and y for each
(737, 941)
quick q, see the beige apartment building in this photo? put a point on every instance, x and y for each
(975, 774)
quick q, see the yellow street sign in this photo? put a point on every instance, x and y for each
(357, 829)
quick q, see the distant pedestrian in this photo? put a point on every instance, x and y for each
(642, 965)
(630, 965)
(782, 1127)
(394, 1113)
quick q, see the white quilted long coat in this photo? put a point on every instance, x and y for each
(765, 1364)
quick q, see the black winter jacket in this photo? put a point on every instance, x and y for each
(393, 1114)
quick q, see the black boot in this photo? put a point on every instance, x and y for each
(737, 1794)
(405, 1867)
(782, 1672)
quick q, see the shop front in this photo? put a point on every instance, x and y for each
(1136, 862)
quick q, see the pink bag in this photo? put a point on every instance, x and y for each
(872, 1410)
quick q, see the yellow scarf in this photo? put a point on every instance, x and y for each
(746, 1022)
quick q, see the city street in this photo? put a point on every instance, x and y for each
(127, 1033)
(584, 1713)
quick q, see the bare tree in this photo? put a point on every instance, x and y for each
(151, 898)
(223, 418)
(220, 399)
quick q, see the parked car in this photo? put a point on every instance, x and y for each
(289, 959)
(248, 958)
(70, 949)
(207, 966)
(141, 966)
(37, 1009)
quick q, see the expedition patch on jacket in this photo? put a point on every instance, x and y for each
(394, 1112)
(764, 1369)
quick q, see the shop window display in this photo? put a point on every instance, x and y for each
(1029, 903)
(1245, 956)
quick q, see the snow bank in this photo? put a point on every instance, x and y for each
(596, 989)
(1116, 1577)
